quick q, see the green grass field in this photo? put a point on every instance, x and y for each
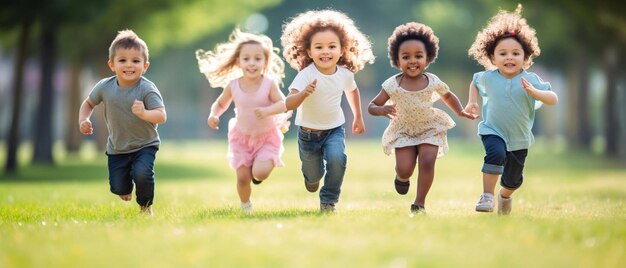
(571, 212)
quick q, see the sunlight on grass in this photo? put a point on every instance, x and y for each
(570, 212)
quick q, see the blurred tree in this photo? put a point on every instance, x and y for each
(17, 14)
(599, 38)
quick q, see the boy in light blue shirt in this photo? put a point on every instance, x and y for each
(510, 95)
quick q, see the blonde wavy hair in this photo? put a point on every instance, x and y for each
(501, 26)
(296, 39)
(220, 66)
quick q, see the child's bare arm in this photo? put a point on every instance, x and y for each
(546, 96)
(472, 106)
(85, 111)
(377, 106)
(219, 107)
(154, 116)
(453, 102)
(277, 106)
(295, 97)
(354, 100)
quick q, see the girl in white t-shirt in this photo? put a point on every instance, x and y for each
(327, 49)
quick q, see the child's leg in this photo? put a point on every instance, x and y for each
(495, 157)
(310, 151)
(427, 156)
(120, 181)
(261, 169)
(334, 150)
(142, 172)
(512, 177)
(244, 176)
(406, 159)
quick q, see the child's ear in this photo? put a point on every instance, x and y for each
(111, 66)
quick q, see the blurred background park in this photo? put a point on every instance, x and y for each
(52, 52)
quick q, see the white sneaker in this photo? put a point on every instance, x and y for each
(246, 207)
(504, 205)
(485, 204)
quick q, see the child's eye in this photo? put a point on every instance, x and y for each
(136, 61)
(419, 56)
(405, 57)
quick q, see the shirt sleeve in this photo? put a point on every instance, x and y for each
(95, 96)
(153, 99)
(350, 83)
(538, 83)
(300, 82)
(477, 81)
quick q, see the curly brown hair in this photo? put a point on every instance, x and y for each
(297, 33)
(412, 31)
(501, 26)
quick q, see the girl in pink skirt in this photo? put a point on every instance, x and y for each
(249, 70)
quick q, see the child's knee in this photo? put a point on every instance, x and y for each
(143, 176)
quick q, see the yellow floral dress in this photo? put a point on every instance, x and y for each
(416, 121)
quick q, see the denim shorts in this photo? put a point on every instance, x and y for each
(500, 161)
(136, 167)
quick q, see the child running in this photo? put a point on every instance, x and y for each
(133, 109)
(250, 70)
(506, 47)
(416, 131)
(327, 49)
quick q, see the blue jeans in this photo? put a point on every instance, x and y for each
(323, 154)
(137, 167)
(500, 161)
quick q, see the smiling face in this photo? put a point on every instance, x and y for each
(252, 60)
(508, 56)
(325, 50)
(412, 57)
(129, 65)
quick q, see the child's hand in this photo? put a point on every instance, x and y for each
(471, 108)
(468, 115)
(213, 121)
(260, 113)
(528, 87)
(310, 88)
(358, 127)
(85, 127)
(138, 108)
(388, 111)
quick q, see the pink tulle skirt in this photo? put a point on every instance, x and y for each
(244, 149)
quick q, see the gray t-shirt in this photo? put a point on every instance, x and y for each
(127, 133)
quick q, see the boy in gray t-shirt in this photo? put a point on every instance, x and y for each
(133, 107)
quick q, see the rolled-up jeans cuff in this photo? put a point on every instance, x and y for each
(492, 169)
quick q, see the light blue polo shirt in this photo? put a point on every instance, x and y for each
(508, 111)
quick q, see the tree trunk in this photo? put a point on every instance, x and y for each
(73, 136)
(20, 59)
(43, 125)
(580, 111)
(611, 119)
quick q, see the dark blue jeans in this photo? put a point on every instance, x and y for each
(500, 161)
(323, 154)
(137, 167)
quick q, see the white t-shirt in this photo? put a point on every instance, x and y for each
(322, 109)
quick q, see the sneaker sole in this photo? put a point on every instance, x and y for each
(484, 209)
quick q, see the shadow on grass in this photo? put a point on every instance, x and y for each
(236, 214)
(84, 172)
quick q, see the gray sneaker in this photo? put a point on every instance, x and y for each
(504, 205)
(485, 204)
(327, 207)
